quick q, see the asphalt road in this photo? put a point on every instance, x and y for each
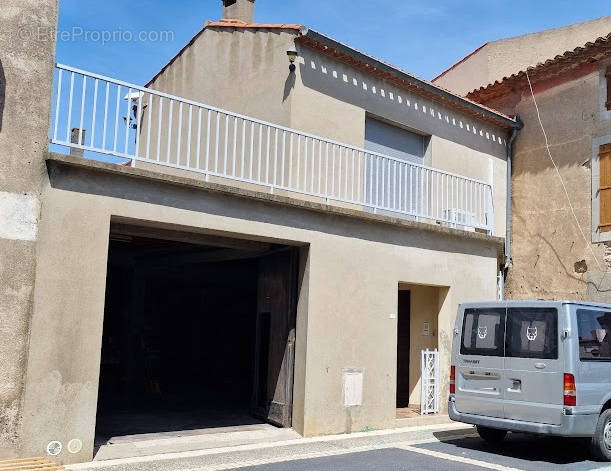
(521, 452)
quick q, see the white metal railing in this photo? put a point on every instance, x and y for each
(429, 395)
(109, 117)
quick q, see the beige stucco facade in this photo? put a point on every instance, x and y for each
(343, 320)
(504, 57)
(352, 262)
(245, 70)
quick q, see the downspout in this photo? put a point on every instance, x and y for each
(508, 260)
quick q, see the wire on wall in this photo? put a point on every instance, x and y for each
(549, 153)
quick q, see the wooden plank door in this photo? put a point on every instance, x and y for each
(403, 349)
(275, 341)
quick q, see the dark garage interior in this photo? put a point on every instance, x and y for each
(189, 340)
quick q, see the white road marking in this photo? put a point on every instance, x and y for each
(312, 455)
(459, 459)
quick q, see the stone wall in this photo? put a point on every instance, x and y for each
(27, 52)
(558, 255)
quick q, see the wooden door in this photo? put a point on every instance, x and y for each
(403, 347)
(275, 341)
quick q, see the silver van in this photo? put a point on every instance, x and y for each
(541, 367)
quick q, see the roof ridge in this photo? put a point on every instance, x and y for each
(548, 30)
(225, 23)
(508, 38)
(457, 63)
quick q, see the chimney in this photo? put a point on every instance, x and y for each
(241, 10)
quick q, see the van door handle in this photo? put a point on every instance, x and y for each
(540, 366)
(516, 386)
(486, 375)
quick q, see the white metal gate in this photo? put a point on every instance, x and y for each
(429, 402)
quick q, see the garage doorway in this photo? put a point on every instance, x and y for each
(199, 333)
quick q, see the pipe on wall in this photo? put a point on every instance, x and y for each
(503, 272)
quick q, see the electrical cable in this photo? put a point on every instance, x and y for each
(549, 153)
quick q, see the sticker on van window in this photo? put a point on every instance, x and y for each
(482, 332)
(531, 333)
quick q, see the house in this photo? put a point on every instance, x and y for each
(494, 60)
(240, 242)
(560, 214)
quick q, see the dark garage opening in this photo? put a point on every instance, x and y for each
(197, 333)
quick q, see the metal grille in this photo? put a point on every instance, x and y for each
(429, 403)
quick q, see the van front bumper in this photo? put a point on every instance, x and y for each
(577, 425)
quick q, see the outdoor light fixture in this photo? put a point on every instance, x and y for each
(134, 99)
(292, 53)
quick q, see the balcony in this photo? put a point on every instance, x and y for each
(106, 119)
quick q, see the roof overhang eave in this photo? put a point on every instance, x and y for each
(487, 114)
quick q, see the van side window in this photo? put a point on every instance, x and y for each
(483, 332)
(594, 328)
(532, 333)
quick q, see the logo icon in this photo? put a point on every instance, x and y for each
(531, 333)
(482, 332)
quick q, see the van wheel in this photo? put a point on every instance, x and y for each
(600, 446)
(493, 436)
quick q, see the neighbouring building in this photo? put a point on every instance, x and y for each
(241, 242)
(26, 71)
(495, 60)
(561, 207)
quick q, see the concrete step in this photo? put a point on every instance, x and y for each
(267, 447)
(176, 442)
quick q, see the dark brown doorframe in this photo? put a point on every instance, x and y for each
(403, 348)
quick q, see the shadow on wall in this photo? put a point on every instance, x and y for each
(289, 84)
(126, 188)
(381, 98)
(2, 93)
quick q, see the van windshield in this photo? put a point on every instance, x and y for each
(594, 329)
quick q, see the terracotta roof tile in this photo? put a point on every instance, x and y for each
(241, 24)
(590, 52)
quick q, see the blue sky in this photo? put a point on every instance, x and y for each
(422, 37)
